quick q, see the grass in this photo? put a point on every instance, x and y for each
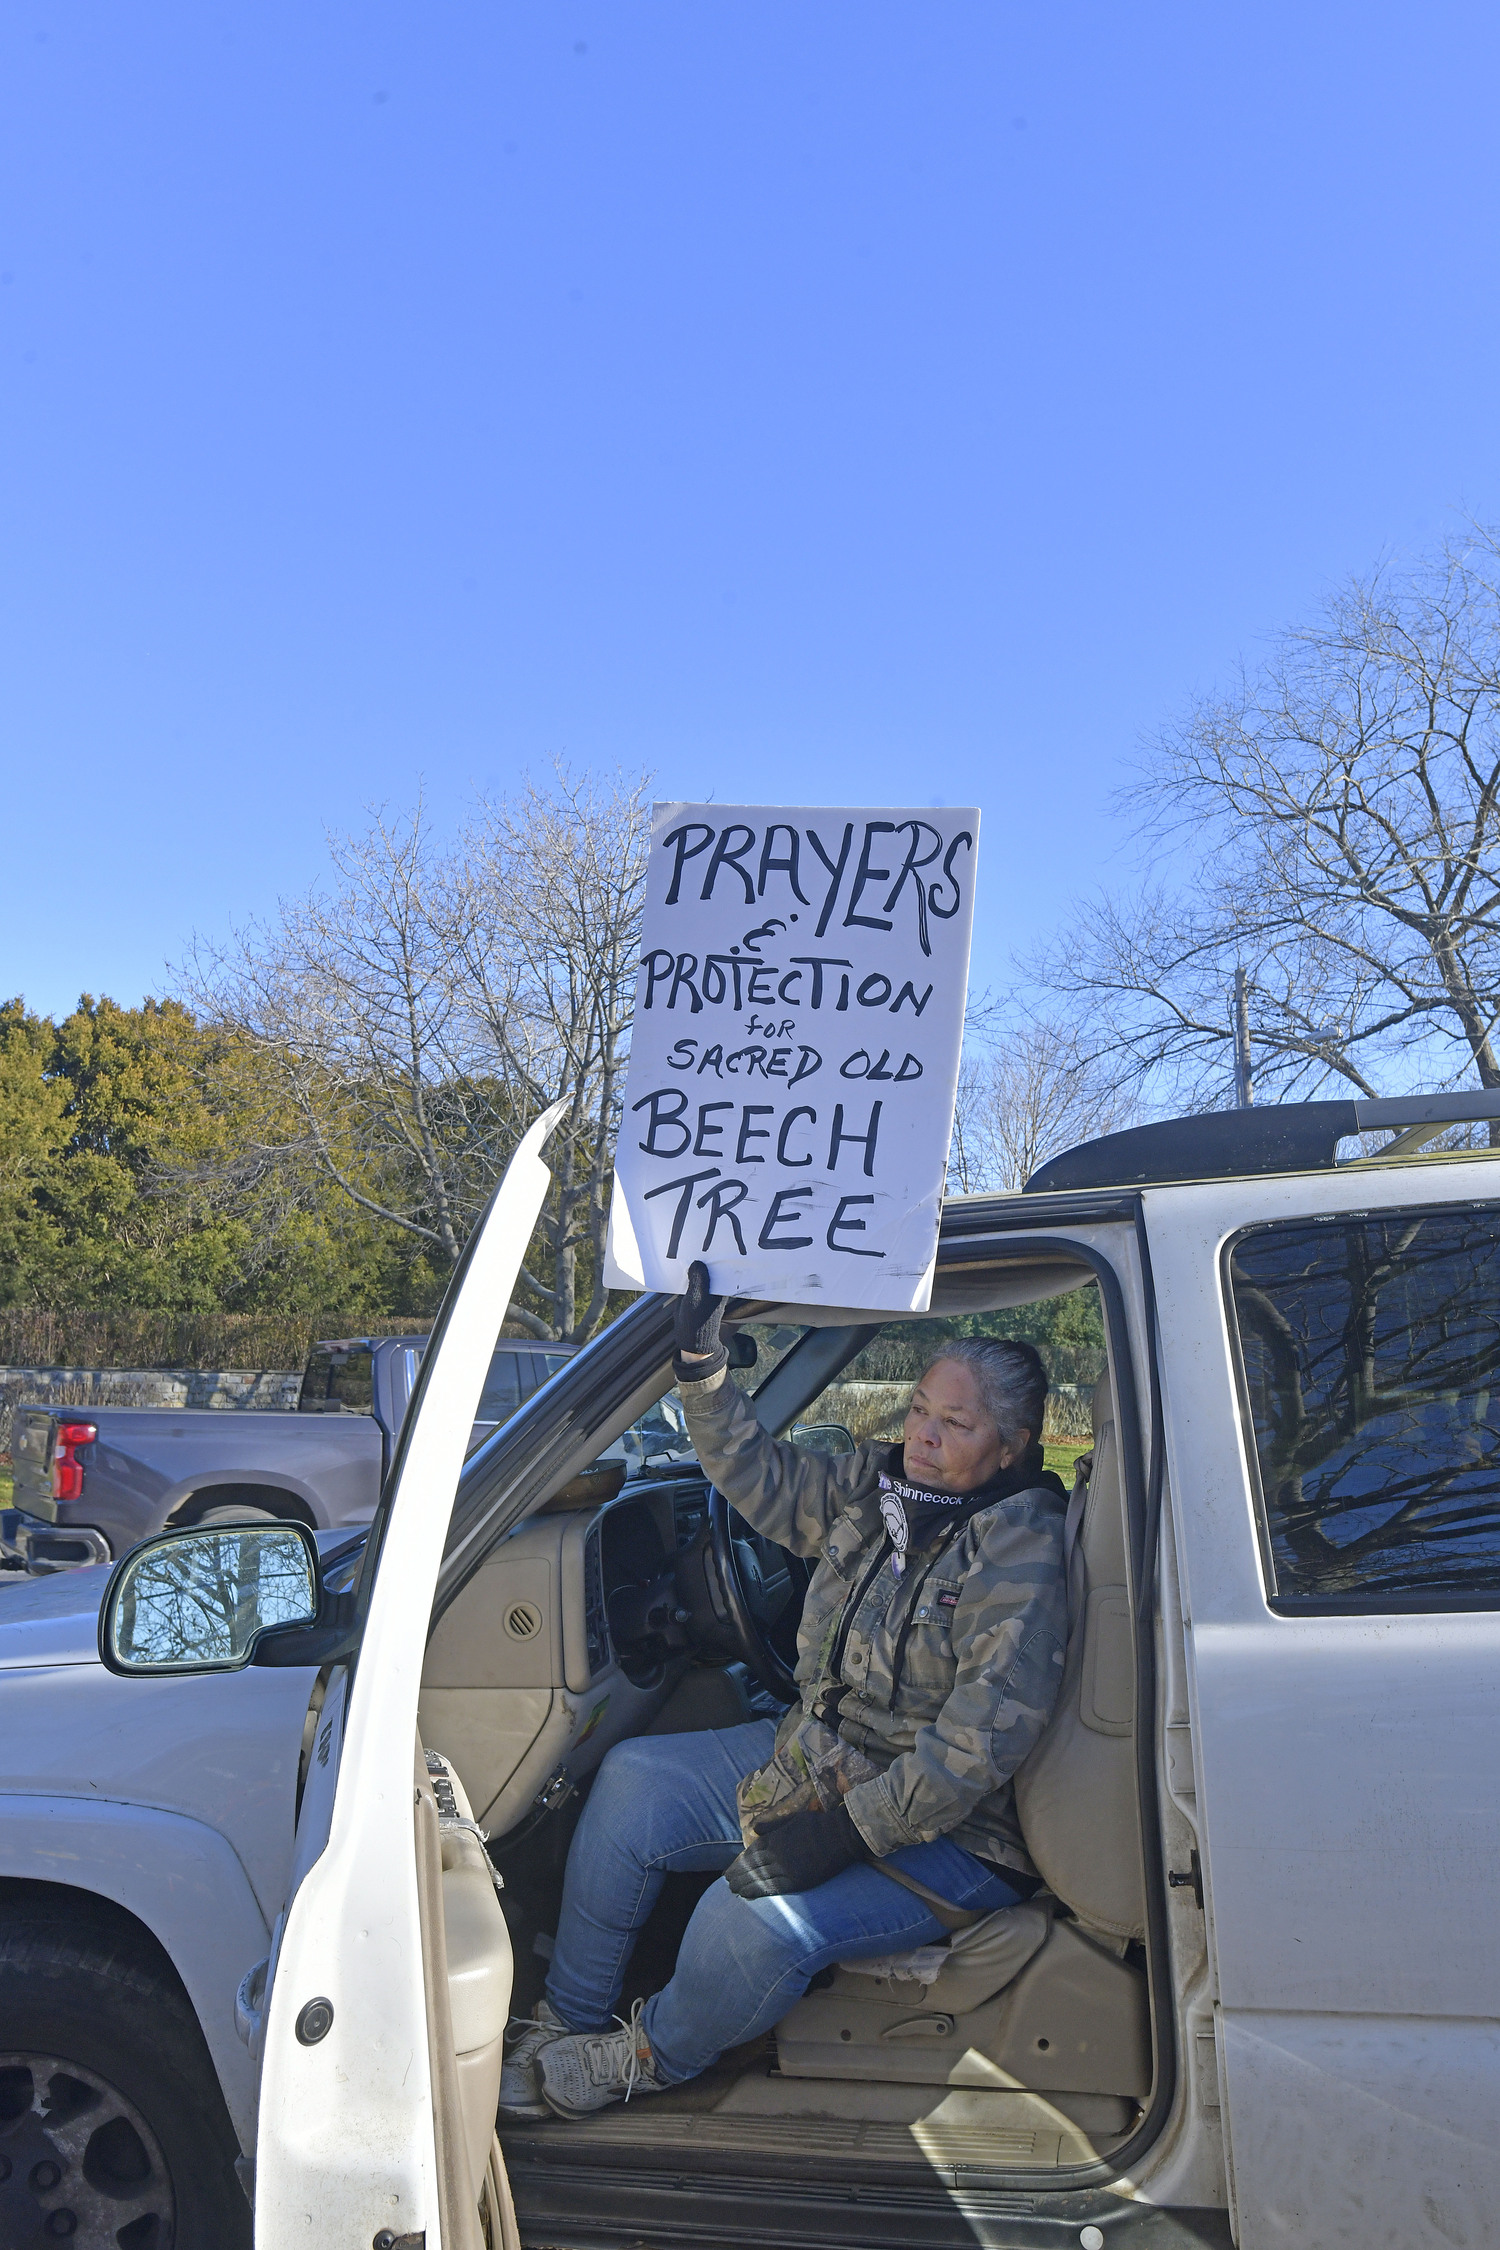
(1061, 1453)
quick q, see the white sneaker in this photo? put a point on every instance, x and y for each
(588, 2070)
(519, 2096)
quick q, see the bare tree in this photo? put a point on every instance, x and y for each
(415, 1015)
(1025, 1092)
(549, 892)
(1339, 814)
(350, 998)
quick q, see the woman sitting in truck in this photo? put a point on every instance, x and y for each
(879, 1814)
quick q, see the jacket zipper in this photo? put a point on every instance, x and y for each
(899, 1656)
(827, 1704)
(833, 1671)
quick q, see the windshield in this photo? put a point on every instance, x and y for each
(660, 1437)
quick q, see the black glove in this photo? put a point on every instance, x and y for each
(697, 1330)
(799, 1853)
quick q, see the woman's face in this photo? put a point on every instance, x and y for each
(951, 1442)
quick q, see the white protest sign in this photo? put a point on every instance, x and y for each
(798, 1019)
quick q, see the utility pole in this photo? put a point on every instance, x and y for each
(1244, 1084)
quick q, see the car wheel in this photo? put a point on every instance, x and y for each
(113, 2131)
(232, 1514)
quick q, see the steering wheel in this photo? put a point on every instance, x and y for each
(761, 1587)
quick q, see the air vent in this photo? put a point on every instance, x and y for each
(523, 1621)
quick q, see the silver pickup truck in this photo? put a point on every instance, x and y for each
(90, 1482)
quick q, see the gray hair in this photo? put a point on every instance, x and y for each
(1009, 1377)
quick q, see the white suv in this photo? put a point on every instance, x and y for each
(252, 1950)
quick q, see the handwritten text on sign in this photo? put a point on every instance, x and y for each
(799, 1014)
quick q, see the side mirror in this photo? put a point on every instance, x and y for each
(199, 1600)
(741, 1350)
(821, 1437)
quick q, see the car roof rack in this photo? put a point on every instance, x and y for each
(1283, 1137)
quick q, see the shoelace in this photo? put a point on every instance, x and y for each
(599, 2054)
(518, 2026)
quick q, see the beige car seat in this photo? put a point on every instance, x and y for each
(1026, 1998)
(1076, 1793)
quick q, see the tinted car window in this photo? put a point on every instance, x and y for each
(502, 1388)
(338, 1376)
(1370, 1352)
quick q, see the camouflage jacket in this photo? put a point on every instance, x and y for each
(948, 1672)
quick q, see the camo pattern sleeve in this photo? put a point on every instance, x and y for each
(789, 1495)
(990, 1624)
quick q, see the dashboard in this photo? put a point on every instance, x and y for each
(572, 1635)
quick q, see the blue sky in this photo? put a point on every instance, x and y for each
(814, 401)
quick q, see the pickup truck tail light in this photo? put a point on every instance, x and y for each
(67, 1469)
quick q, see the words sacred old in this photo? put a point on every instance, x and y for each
(794, 1062)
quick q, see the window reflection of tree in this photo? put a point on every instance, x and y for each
(1371, 1353)
(202, 1600)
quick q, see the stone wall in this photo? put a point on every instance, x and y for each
(83, 1387)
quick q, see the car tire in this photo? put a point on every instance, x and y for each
(233, 1514)
(112, 2125)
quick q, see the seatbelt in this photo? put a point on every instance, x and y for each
(832, 1689)
(942, 1910)
(1073, 1520)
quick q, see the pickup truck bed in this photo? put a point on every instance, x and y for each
(90, 1482)
(146, 1462)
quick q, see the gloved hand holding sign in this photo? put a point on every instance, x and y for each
(699, 1352)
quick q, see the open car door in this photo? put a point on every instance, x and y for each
(371, 2030)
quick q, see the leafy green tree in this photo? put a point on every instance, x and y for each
(135, 1173)
(31, 1136)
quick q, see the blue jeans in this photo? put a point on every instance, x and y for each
(665, 1804)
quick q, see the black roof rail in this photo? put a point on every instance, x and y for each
(1221, 1143)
